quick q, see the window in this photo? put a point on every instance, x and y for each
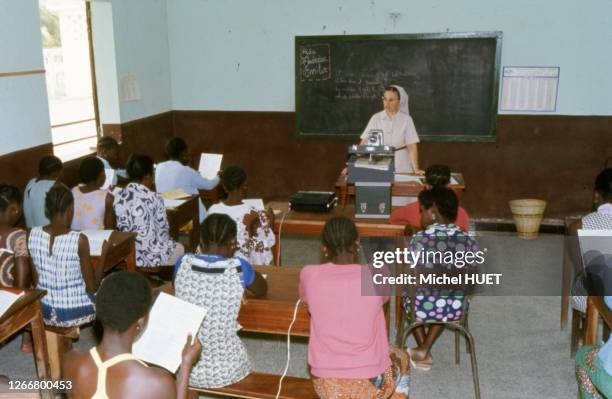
(66, 35)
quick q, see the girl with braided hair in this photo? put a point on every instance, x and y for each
(63, 264)
(254, 236)
(216, 280)
(348, 351)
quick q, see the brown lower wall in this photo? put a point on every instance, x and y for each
(552, 157)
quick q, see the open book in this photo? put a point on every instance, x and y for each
(174, 195)
(96, 239)
(170, 322)
(173, 203)
(7, 299)
(210, 164)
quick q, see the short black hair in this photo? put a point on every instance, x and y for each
(123, 298)
(90, 169)
(426, 199)
(175, 147)
(438, 175)
(395, 90)
(233, 177)
(446, 201)
(217, 228)
(138, 166)
(603, 184)
(49, 164)
(8, 194)
(339, 234)
(58, 199)
(107, 143)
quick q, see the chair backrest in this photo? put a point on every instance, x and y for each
(596, 254)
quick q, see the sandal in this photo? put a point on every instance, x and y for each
(424, 365)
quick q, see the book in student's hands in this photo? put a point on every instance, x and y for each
(210, 165)
(170, 322)
(110, 177)
(96, 239)
(7, 299)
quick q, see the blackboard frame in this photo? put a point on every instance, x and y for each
(490, 137)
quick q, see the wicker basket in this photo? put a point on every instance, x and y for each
(527, 214)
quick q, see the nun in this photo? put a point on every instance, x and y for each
(398, 130)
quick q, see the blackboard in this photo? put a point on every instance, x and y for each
(452, 80)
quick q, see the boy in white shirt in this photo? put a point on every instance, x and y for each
(174, 174)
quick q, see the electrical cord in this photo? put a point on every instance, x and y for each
(280, 229)
(280, 381)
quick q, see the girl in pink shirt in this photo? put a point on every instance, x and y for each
(348, 350)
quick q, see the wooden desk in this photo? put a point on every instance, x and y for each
(189, 211)
(123, 249)
(569, 269)
(313, 223)
(27, 310)
(596, 307)
(404, 189)
(272, 314)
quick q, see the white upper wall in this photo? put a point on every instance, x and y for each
(239, 54)
(141, 49)
(24, 110)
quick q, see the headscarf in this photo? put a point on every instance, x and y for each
(403, 105)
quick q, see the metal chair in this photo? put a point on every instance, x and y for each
(460, 327)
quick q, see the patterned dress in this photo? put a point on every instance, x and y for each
(432, 304)
(12, 245)
(89, 209)
(67, 302)
(142, 211)
(257, 249)
(215, 284)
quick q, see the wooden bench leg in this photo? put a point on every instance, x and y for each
(57, 345)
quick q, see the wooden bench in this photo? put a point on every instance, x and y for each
(59, 341)
(263, 386)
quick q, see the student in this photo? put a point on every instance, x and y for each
(140, 210)
(435, 176)
(255, 235)
(175, 173)
(93, 206)
(15, 268)
(600, 219)
(439, 208)
(109, 370)
(14, 257)
(594, 368)
(348, 351)
(216, 280)
(63, 264)
(49, 172)
(108, 153)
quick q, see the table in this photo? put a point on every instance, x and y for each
(123, 249)
(313, 223)
(27, 310)
(272, 314)
(188, 211)
(400, 189)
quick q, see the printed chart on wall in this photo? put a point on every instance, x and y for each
(452, 80)
(530, 89)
